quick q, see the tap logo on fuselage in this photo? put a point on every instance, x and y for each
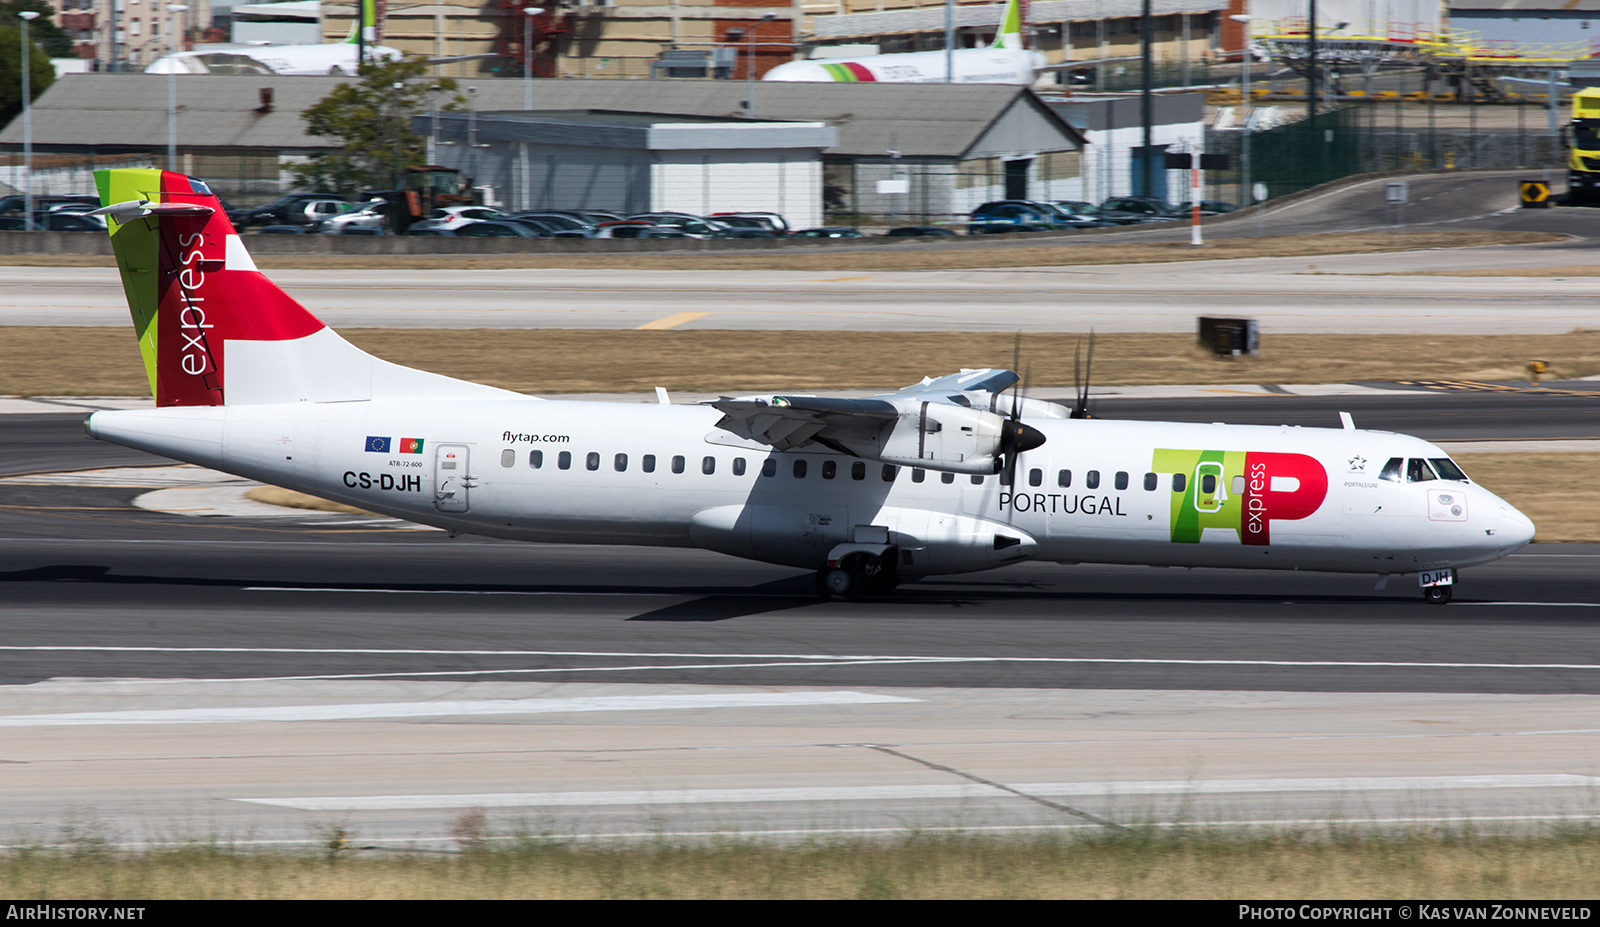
(1241, 491)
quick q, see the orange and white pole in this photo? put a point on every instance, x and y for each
(1194, 202)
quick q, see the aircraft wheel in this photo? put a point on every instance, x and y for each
(840, 583)
(1437, 595)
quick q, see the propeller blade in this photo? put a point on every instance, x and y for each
(1080, 408)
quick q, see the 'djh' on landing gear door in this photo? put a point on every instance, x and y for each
(450, 480)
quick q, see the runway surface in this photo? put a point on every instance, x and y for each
(172, 676)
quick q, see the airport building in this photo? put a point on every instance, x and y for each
(931, 150)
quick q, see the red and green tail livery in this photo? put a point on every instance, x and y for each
(191, 285)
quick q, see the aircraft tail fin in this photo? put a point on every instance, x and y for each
(212, 329)
(1010, 34)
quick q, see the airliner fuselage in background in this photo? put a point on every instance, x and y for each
(946, 476)
(1005, 61)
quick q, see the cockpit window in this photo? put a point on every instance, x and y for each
(1392, 469)
(1448, 470)
(1418, 471)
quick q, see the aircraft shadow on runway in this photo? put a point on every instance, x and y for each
(722, 603)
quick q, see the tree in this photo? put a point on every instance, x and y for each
(43, 31)
(41, 74)
(371, 119)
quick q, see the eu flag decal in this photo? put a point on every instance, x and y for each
(377, 445)
(410, 446)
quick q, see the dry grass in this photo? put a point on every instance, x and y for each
(105, 361)
(1142, 865)
(1020, 252)
(1557, 491)
(288, 498)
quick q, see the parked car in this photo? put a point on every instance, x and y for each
(1026, 212)
(1150, 208)
(283, 230)
(453, 217)
(15, 203)
(1208, 207)
(285, 210)
(68, 222)
(625, 228)
(496, 228)
(370, 215)
(769, 220)
(746, 233)
(559, 222)
(919, 231)
(692, 226)
(827, 233)
(1086, 210)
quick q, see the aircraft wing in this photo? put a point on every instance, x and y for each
(950, 422)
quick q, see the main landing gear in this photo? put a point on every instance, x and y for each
(858, 575)
(1436, 595)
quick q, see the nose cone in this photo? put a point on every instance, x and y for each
(1516, 529)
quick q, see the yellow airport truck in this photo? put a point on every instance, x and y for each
(1583, 149)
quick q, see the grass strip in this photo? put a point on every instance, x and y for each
(1331, 863)
(931, 254)
(104, 361)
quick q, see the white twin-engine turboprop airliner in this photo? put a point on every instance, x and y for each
(946, 476)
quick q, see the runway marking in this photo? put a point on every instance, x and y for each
(671, 321)
(745, 661)
(841, 279)
(1540, 604)
(1181, 787)
(478, 707)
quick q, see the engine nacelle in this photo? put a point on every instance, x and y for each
(937, 436)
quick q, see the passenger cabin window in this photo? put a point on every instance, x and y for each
(592, 460)
(1091, 480)
(508, 458)
(1035, 477)
(620, 463)
(708, 465)
(977, 479)
(564, 460)
(1180, 481)
(677, 464)
(1208, 484)
(1063, 478)
(1448, 470)
(1392, 469)
(889, 471)
(947, 477)
(1418, 471)
(536, 459)
(769, 467)
(1149, 482)
(829, 469)
(799, 469)
(1121, 480)
(1238, 484)
(738, 466)
(858, 470)
(647, 463)
(918, 475)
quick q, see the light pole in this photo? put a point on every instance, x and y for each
(750, 66)
(1244, 124)
(27, 16)
(528, 13)
(173, 9)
